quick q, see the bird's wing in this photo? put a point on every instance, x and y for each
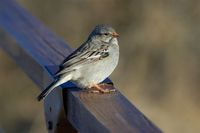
(87, 53)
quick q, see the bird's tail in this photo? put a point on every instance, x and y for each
(53, 85)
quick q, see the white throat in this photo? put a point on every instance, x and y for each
(114, 41)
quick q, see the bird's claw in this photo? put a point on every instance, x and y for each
(102, 88)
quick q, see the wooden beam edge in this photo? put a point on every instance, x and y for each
(104, 113)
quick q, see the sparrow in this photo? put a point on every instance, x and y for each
(91, 63)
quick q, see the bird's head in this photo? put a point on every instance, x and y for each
(104, 33)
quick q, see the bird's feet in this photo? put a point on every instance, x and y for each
(101, 88)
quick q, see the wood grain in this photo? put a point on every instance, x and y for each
(106, 113)
(38, 51)
(35, 49)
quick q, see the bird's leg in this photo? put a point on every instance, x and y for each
(108, 87)
(92, 89)
(101, 88)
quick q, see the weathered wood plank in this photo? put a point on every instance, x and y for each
(56, 120)
(106, 113)
(35, 49)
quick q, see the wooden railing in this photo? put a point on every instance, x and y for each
(38, 52)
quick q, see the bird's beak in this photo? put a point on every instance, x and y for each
(115, 34)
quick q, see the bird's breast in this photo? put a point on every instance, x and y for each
(96, 72)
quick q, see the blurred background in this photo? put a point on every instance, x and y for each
(159, 68)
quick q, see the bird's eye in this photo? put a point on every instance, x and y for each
(106, 34)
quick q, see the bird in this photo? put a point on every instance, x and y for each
(89, 64)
